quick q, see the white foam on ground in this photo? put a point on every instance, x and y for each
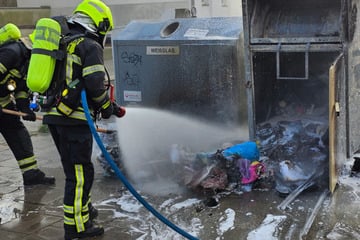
(145, 224)
(226, 222)
(268, 229)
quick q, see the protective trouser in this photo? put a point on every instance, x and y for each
(74, 144)
(18, 139)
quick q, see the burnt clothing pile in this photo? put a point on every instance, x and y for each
(297, 150)
(233, 165)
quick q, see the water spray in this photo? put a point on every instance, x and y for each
(121, 176)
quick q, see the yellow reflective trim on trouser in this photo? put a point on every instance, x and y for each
(69, 221)
(29, 168)
(79, 176)
(31, 161)
(3, 69)
(86, 217)
(68, 209)
(26, 161)
(86, 207)
(91, 69)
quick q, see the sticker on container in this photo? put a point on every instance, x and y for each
(196, 33)
(162, 50)
(132, 96)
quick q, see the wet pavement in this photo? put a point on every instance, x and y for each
(36, 212)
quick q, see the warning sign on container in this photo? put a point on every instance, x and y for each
(132, 96)
(162, 50)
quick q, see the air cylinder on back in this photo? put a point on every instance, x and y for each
(45, 38)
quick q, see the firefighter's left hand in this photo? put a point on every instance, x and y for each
(31, 116)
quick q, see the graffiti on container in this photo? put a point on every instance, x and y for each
(131, 58)
(131, 79)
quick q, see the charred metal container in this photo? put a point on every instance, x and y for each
(191, 66)
(302, 77)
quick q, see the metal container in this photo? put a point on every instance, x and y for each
(192, 66)
(301, 65)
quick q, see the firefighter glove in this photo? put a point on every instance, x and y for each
(118, 111)
(106, 113)
(22, 105)
(30, 116)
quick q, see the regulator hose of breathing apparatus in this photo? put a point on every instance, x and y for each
(121, 176)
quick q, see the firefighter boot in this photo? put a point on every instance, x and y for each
(36, 176)
(92, 231)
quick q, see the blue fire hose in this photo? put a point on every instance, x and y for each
(122, 177)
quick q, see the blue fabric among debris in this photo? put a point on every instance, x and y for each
(248, 150)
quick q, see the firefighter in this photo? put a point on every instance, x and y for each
(14, 95)
(71, 133)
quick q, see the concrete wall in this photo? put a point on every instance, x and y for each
(24, 18)
(8, 3)
(123, 10)
(126, 10)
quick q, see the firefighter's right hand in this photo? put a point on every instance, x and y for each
(107, 112)
(118, 110)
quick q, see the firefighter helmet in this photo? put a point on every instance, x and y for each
(98, 12)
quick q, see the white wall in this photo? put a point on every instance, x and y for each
(217, 8)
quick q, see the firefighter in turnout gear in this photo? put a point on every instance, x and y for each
(14, 95)
(67, 122)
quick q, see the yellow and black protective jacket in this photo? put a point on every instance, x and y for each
(14, 59)
(85, 68)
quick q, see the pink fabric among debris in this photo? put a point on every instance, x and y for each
(256, 169)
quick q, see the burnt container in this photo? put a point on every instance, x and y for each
(302, 66)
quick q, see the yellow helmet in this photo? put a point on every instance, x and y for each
(99, 13)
